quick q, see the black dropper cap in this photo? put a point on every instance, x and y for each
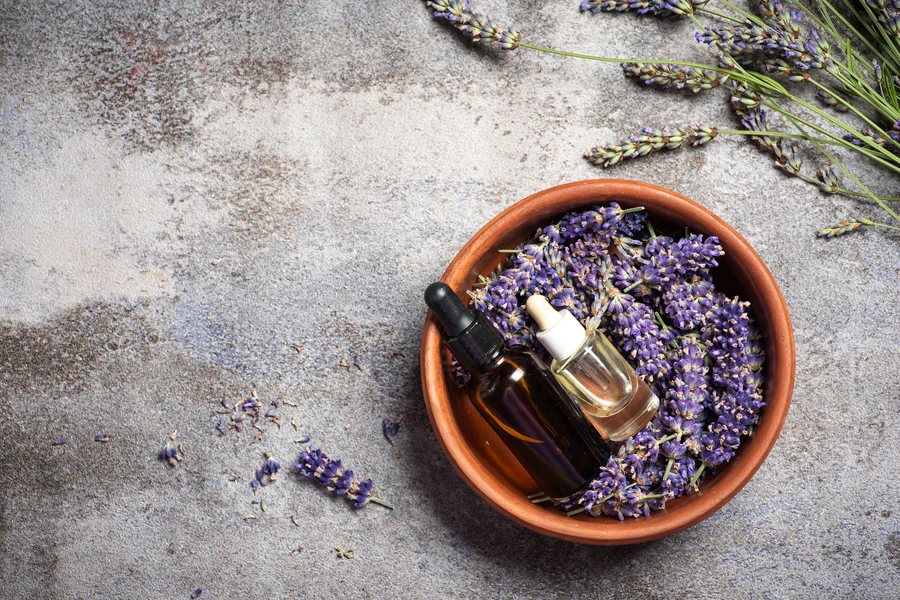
(472, 338)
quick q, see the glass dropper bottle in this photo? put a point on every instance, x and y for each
(516, 394)
(614, 399)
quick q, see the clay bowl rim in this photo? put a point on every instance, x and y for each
(512, 503)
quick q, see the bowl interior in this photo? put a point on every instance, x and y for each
(480, 456)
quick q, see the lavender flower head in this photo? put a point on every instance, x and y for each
(477, 27)
(329, 473)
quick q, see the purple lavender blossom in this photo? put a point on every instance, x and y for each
(662, 8)
(665, 76)
(477, 27)
(314, 464)
(648, 141)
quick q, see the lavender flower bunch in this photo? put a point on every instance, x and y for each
(655, 298)
(331, 474)
(769, 61)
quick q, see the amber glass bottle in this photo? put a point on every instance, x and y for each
(517, 395)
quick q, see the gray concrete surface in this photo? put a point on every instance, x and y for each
(189, 188)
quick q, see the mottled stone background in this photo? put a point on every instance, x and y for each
(189, 188)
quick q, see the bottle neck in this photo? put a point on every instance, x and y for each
(492, 363)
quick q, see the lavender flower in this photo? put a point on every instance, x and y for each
(777, 15)
(331, 474)
(665, 76)
(650, 140)
(632, 224)
(830, 181)
(768, 49)
(688, 301)
(662, 8)
(842, 227)
(474, 25)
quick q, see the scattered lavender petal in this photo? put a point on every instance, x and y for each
(391, 428)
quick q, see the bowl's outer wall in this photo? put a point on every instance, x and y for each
(488, 467)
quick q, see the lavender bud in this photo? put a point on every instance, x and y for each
(851, 224)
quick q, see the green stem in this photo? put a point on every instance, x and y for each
(539, 500)
(381, 502)
(715, 13)
(696, 477)
(885, 226)
(833, 31)
(743, 13)
(847, 172)
(668, 469)
(631, 210)
(776, 134)
(629, 60)
(572, 513)
(840, 141)
(890, 115)
(846, 192)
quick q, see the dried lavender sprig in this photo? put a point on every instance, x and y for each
(331, 474)
(662, 8)
(851, 224)
(474, 25)
(665, 76)
(650, 140)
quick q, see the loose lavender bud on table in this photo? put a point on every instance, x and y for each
(171, 453)
(265, 475)
(390, 428)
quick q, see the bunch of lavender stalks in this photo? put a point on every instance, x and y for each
(763, 59)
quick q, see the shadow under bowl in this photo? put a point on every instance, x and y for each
(491, 470)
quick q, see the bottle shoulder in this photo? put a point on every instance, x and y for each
(516, 363)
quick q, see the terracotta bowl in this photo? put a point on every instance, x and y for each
(478, 454)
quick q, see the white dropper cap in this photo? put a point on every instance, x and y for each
(561, 333)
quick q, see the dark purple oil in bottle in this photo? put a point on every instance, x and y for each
(525, 406)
